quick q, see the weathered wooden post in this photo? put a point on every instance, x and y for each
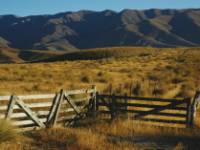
(97, 104)
(55, 109)
(52, 110)
(10, 107)
(113, 107)
(189, 117)
(192, 108)
(125, 106)
(94, 101)
(196, 102)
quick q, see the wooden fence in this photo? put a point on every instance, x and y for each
(40, 111)
(66, 107)
(171, 111)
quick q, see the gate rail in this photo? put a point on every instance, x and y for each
(29, 112)
(47, 110)
(161, 110)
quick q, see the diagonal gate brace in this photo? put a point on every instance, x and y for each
(76, 109)
(29, 112)
(72, 104)
(10, 107)
(156, 110)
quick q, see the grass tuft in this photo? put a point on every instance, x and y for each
(7, 132)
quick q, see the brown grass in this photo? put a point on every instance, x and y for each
(158, 73)
(120, 134)
(147, 72)
(6, 131)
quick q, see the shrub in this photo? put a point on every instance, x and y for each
(99, 74)
(85, 79)
(144, 54)
(153, 77)
(102, 80)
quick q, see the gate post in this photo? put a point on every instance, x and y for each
(10, 107)
(113, 107)
(192, 108)
(189, 117)
(94, 102)
(125, 106)
(55, 109)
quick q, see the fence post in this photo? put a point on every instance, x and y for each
(126, 106)
(97, 103)
(189, 119)
(94, 101)
(10, 107)
(194, 104)
(113, 107)
(55, 109)
(52, 110)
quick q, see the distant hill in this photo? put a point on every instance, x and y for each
(102, 53)
(11, 55)
(71, 31)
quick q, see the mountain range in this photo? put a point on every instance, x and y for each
(71, 31)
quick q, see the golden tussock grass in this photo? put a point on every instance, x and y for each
(6, 131)
(120, 134)
(158, 73)
(168, 73)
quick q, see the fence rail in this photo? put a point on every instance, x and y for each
(161, 110)
(46, 110)
(66, 107)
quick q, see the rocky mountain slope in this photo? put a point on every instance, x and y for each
(70, 31)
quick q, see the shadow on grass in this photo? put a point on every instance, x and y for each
(159, 142)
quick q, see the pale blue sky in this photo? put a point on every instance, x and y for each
(33, 7)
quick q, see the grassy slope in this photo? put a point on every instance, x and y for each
(151, 72)
(37, 55)
(100, 53)
(164, 69)
(10, 55)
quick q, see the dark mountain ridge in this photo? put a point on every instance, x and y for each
(70, 31)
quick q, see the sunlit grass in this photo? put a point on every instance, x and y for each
(7, 132)
(167, 73)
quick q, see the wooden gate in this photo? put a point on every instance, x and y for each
(66, 107)
(170, 111)
(40, 111)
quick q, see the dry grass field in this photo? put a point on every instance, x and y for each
(168, 73)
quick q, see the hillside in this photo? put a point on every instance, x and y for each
(149, 72)
(166, 69)
(11, 55)
(38, 55)
(70, 31)
(101, 53)
(115, 53)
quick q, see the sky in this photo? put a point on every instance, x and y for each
(35, 7)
